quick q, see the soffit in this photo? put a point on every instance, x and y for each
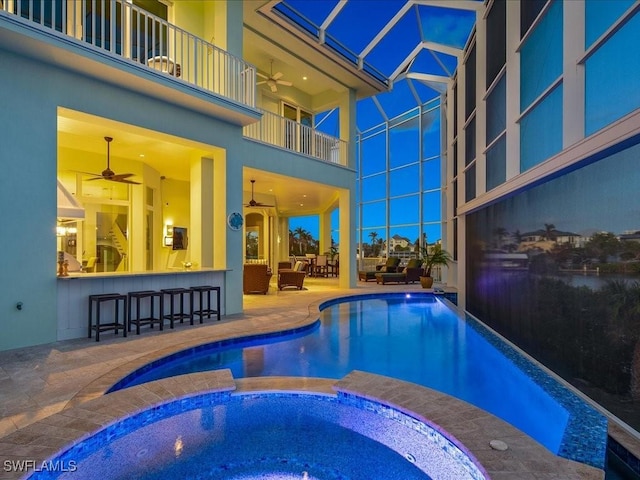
(265, 38)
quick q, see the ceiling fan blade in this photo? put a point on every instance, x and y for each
(261, 83)
(97, 177)
(258, 205)
(261, 75)
(277, 75)
(284, 82)
(273, 87)
(122, 176)
(124, 180)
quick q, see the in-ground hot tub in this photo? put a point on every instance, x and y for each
(268, 436)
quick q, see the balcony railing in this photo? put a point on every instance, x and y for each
(285, 133)
(130, 32)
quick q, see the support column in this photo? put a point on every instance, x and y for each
(229, 244)
(513, 90)
(348, 126)
(202, 217)
(348, 263)
(347, 198)
(282, 239)
(228, 26)
(325, 232)
(573, 75)
(481, 106)
(136, 253)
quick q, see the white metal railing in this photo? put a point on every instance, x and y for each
(286, 133)
(130, 32)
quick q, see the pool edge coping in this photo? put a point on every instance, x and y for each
(465, 425)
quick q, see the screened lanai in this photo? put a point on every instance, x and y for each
(415, 47)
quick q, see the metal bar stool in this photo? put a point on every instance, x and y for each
(174, 315)
(98, 299)
(138, 319)
(200, 290)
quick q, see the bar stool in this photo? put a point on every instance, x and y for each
(200, 290)
(98, 300)
(174, 315)
(152, 318)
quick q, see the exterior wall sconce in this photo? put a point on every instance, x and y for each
(168, 235)
(64, 231)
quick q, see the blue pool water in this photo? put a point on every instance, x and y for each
(421, 340)
(266, 436)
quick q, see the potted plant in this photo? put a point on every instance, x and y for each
(333, 251)
(432, 256)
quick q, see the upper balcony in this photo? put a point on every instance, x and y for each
(282, 132)
(116, 38)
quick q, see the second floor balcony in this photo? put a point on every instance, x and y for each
(128, 32)
(285, 133)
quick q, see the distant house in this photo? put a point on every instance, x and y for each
(399, 241)
(537, 239)
(630, 235)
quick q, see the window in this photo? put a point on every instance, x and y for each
(611, 78)
(541, 131)
(529, 10)
(496, 39)
(470, 83)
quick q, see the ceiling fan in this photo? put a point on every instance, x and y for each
(252, 202)
(273, 80)
(108, 174)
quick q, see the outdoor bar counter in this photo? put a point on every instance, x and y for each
(74, 291)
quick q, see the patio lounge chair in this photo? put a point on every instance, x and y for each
(409, 274)
(292, 277)
(255, 278)
(391, 265)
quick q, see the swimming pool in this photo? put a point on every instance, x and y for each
(282, 436)
(420, 339)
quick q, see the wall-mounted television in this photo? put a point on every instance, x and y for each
(180, 239)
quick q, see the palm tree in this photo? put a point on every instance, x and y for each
(292, 242)
(433, 256)
(310, 243)
(500, 233)
(373, 236)
(301, 234)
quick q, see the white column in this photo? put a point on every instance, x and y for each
(348, 125)
(513, 90)
(325, 232)
(573, 75)
(136, 250)
(348, 263)
(201, 219)
(481, 110)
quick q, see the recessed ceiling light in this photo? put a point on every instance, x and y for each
(271, 189)
(304, 78)
(304, 196)
(302, 204)
(142, 155)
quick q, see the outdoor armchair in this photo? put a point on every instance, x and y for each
(255, 278)
(391, 265)
(293, 277)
